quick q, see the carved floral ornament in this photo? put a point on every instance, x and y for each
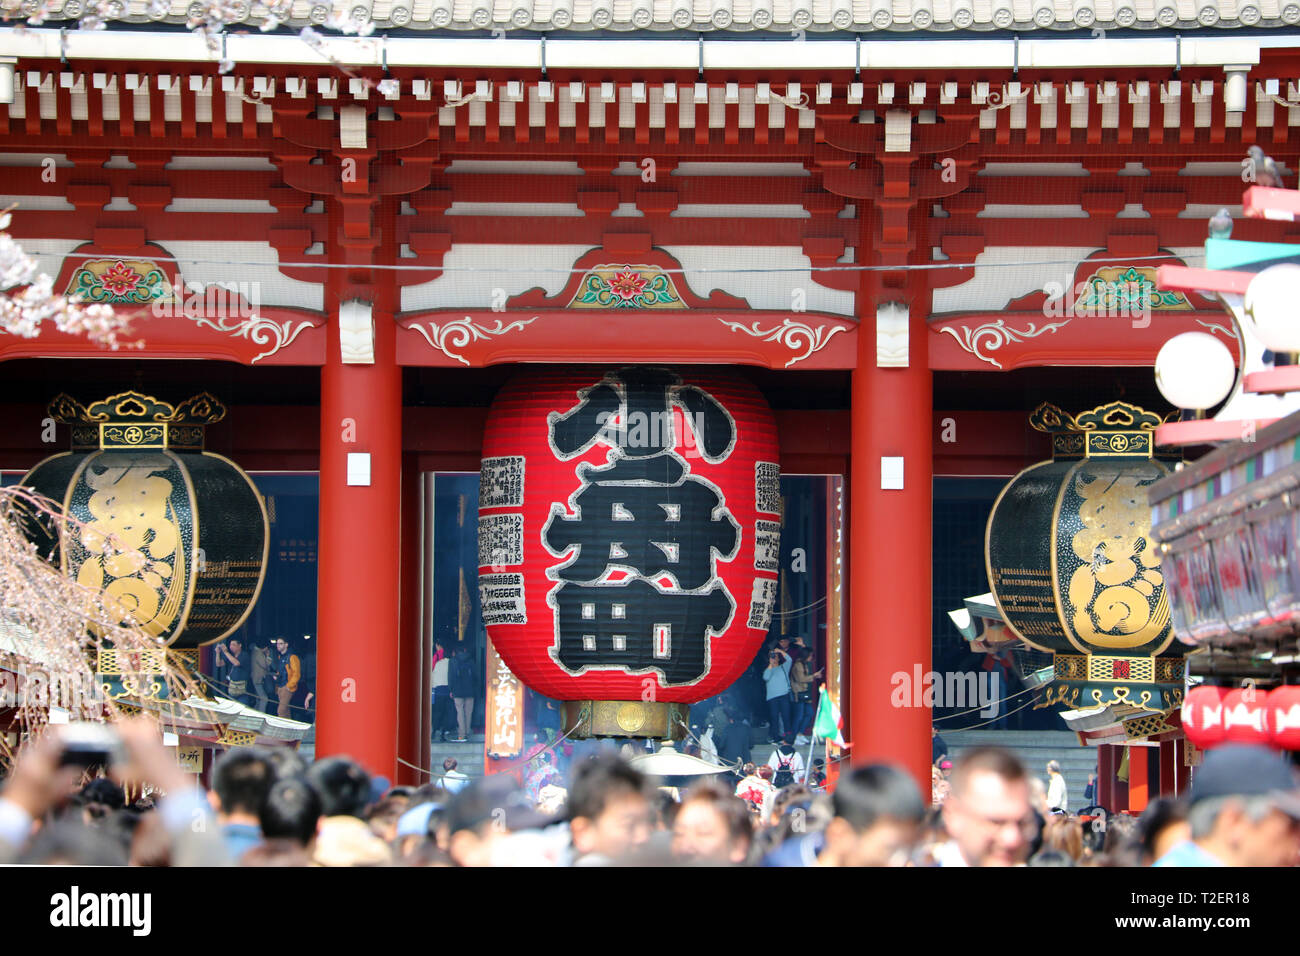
(121, 282)
(628, 287)
(229, 309)
(449, 337)
(799, 337)
(991, 336)
(1107, 292)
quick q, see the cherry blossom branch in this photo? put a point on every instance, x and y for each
(53, 629)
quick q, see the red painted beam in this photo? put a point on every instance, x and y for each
(1268, 203)
(1187, 279)
(1274, 381)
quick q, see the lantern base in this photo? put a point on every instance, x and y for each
(583, 719)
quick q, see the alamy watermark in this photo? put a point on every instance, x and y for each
(1100, 298)
(652, 430)
(39, 689)
(211, 299)
(965, 690)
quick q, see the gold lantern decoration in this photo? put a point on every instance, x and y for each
(188, 529)
(1073, 565)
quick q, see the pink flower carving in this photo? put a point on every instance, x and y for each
(119, 279)
(627, 285)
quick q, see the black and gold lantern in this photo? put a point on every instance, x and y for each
(1074, 568)
(188, 528)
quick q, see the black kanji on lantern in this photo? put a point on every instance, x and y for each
(636, 627)
(643, 514)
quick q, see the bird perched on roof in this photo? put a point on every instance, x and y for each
(1221, 225)
(1265, 169)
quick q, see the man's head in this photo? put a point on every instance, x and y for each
(282, 645)
(1245, 807)
(98, 800)
(712, 825)
(343, 785)
(449, 764)
(1053, 767)
(483, 815)
(878, 814)
(1162, 826)
(988, 812)
(609, 807)
(286, 763)
(236, 645)
(292, 811)
(240, 782)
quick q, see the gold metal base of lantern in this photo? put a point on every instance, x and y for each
(582, 719)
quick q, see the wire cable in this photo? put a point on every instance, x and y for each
(993, 719)
(550, 270)
(1000, 700)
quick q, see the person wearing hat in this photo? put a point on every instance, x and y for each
(418, 824)
(1244, 810)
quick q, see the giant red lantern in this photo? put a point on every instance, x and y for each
(1283, 705)
(629, 538)
(1245, 718)
(1202, 716)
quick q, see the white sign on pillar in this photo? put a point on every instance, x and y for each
(358, 468)
(356, 333)
(891, 473)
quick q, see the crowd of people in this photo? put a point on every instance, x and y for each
(778, 693)
(1243, 810)
(267, 807)
(265, 675)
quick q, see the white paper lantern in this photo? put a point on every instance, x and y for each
(1195, 370)
(1271, 305)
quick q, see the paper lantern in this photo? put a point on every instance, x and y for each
(1245, 717)
(1283, 707)
(1074, 569)
(629, 537)
(191, 525)
(1202, 716)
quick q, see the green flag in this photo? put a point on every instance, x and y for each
(828, 721)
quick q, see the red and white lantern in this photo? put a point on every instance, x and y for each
(1283, 706)
(1202, 716)
(1245, 717)
(629, 531)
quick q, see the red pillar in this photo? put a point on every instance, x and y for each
(889, 547)
(1181, 770)
(1138, 779)
(1106, 766)
(410, 700)
(360, 557)
(1168, 768)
